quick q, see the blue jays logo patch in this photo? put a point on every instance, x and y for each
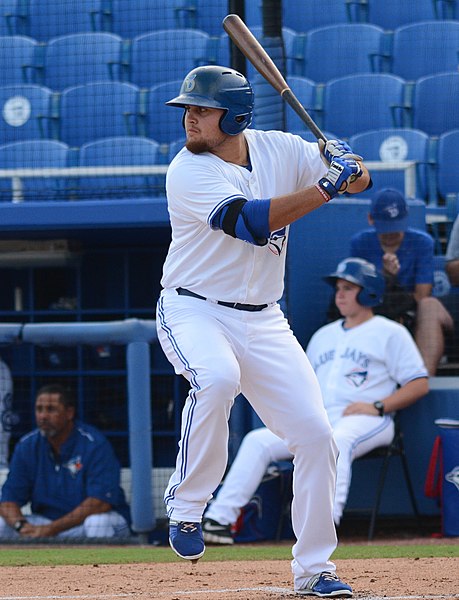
(277, 241)
(357, 377)
(189, 83)
(74, 465)
(453, 477)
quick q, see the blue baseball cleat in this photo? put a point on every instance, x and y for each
(186, 540)
(326, 585)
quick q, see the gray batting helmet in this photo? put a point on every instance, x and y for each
(219, 87)
(362, 273)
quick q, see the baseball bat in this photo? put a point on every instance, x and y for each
(257, 55)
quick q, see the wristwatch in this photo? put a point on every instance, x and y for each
(19, 524)
(379, 407)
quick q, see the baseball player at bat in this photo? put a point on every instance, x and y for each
(232, 193)
(368, 367)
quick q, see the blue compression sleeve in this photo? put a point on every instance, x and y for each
(248, 221)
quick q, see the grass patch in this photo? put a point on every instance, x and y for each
(73, 555)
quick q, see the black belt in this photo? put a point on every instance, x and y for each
(236, 305)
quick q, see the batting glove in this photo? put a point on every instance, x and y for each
(341, 173)
(335, 149)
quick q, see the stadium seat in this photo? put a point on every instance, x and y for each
(17, 59)
(119, 151)
(343, 49)
(26, 112)
(391, 14)
(305, 90)
(97, 110)
(130, 19)
(425, 48)
(80, 58)
(163, 123)
(167, 54)
(12, 18)
(434, 105)
(34, 154)
(390, 145)
(307, 135)
(269, 110)
(362, 102)
(175, 147)
(204, 15)
(52, 18)
(447, 174)
(293, 45)
(304, 16)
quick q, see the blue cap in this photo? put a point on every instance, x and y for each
(389, 211)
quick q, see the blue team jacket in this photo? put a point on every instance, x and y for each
(87, 467)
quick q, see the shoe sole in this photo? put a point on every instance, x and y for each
(212, 538)
(193, 558)
(337, 594)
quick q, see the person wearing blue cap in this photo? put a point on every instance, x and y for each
(405, 256)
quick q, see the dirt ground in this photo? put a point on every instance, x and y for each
(375, 579)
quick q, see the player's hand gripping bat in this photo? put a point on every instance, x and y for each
(257, 55)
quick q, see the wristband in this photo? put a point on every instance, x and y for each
(323, 193)
(327, 187)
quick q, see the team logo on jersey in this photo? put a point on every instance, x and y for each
(189, 83)
(74, 465)
(453, 477)
(277, 241)
(357, 378)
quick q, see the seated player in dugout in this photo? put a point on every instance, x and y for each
(68, 471)
(368, 368)
(232, 193)
(405, 256)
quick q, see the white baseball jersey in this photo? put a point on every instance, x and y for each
(364, 363)
(209, 262)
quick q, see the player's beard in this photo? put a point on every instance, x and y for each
(198, 146)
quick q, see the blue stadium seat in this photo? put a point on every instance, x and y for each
(130, 19)
(307, 135)
(17, 59)
(303, 16)
(344, 49)
(119, 151)
(175, 147)
(12, 18)
(26, 112)
(97, 110)
(268, 109)
(390, 14)
(293, 44)
(52, 18)
(34, 154)
(434, 104)
(305, 90)
(362, 102)
(80, 58)
(391, 145)
(163, 123)
(206, 16)
(167, 54)
(425, 48)
(446, 170)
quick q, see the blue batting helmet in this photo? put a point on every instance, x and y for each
(362, 273)
(219, 87)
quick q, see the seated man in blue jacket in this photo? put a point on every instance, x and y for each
(68, 471)
(405, 257)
